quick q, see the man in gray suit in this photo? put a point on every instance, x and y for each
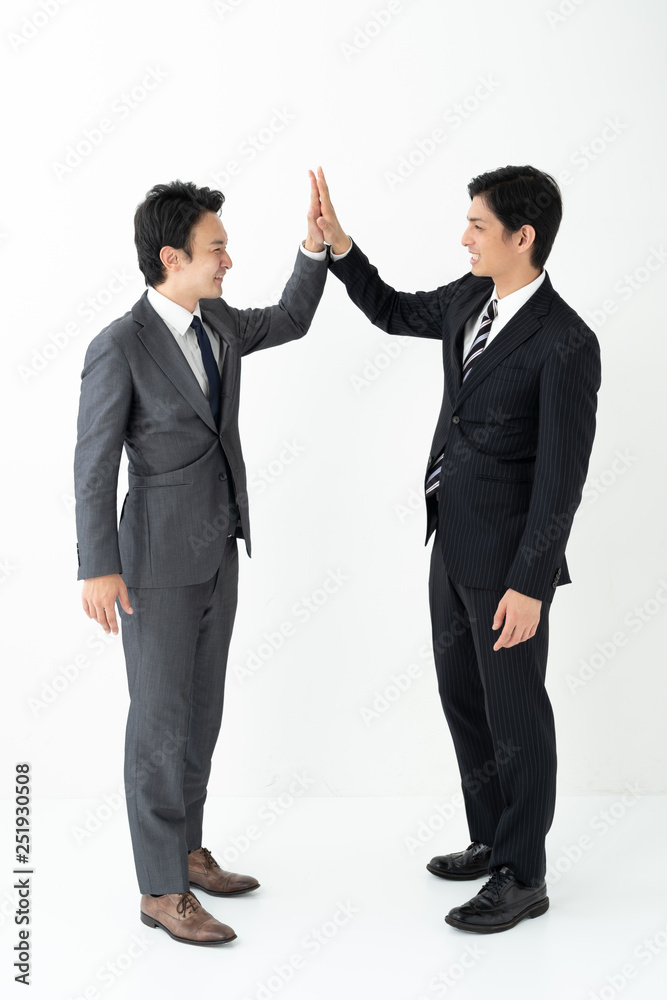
(163, 382)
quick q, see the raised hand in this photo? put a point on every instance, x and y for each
(315, 239)
(330, 227)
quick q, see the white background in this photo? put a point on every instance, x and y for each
(578, 93)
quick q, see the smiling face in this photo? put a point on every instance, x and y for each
(495, 253)
(201, 275)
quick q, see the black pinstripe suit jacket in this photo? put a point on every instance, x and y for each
(516, 436)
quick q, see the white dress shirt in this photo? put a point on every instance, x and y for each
(508, 306)
(178, 321)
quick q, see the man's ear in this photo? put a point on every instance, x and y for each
(524, 238)
(170, 259)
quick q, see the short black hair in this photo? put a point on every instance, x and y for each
(523, 196)
(166, 218)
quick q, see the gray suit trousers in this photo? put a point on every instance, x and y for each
(176, 646)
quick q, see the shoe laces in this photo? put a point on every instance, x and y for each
(498, 881)
(209, 859)
(187, 900)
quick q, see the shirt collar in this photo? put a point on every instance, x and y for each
(510, 304)
(176, 317)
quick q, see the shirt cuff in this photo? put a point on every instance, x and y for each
(314, 254)
(339, 256)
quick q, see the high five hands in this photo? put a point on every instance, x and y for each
(322, 218)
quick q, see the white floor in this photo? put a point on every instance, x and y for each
(346, 907)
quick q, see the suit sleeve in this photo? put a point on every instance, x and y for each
(291, 318)
(411, 314)
(104, 408)
(569, 383)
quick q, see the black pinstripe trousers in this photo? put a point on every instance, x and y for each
(501, 722)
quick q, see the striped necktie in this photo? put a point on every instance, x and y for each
(210, 367)
(479, 343)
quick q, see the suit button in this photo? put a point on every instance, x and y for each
(222, 477)
(455, 420)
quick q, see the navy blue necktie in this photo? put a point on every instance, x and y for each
(210, 367)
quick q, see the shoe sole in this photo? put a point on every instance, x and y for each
(533, 911)
(234, 892)
(150, 922)
(455, 877)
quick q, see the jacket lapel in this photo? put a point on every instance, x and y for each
(160, 344)
(523, 325)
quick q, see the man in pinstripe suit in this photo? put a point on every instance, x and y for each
(503, 481)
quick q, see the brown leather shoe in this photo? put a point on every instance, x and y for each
(205, 872)
(183, 917)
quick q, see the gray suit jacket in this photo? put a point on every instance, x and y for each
(139, 392)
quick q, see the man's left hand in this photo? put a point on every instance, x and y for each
(521, 615)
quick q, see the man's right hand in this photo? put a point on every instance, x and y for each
(99, 600)
(332, 231)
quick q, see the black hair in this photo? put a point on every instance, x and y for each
(167, 217)
(521, 196)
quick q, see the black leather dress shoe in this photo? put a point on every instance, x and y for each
(500, 904)
(468, 864)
